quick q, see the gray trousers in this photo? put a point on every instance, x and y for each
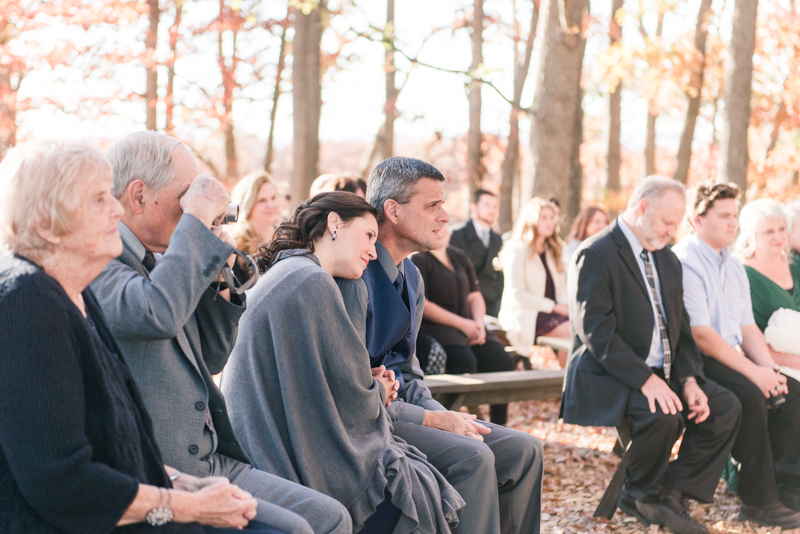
(285, 504)
(500, 478)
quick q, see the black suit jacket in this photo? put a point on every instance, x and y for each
(491, 281)
(612, 326)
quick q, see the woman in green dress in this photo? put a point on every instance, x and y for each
(763, 247)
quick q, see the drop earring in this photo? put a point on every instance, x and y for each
(334, 236)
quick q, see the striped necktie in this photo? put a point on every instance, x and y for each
(662, 325)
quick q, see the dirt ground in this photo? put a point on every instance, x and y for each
(578, 466)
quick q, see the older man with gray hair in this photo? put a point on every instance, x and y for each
(496, 470)
(633, 358)
(176, 321)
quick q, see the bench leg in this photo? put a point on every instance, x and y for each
(608, 503)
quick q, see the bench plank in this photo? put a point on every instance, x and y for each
(454, 391)
(555, 343)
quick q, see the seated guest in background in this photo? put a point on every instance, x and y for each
(453, 316)
(302, 397)
(348, 184)
(535, 294)
(77, 448)
(431, 355)
(773, 273)
(588, 222)
(716, 295)
(257, 197)
(176, 323)
(496, 470)
(792, 210)
(634, 358)
(482, 244)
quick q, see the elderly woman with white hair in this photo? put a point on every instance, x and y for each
(763, 247)
(77, 448)
(792, 210)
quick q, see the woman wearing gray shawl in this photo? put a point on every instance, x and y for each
(300, 393)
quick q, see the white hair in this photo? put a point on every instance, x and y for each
(751, 217)
(38, 191)
(652, 187)
(792, 210)
(145, 156)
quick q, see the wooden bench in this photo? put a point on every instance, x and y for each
(454, 391)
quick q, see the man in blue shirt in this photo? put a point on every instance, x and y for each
(716, 295)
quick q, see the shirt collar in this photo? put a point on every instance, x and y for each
(387, 262)
(716, 258)
(480, 227)
(131, 241)
(636, 245)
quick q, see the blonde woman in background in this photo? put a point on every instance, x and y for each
(535, 293)
(258, 197)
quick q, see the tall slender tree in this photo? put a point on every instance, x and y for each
(738, 88)
(559, 50)
(614, 157)
(306, 94)
(694, 92)
(475, 168)
(511, 163)
(652, 114)
(390, 107)
(169, 98)
(151, 64)
(276, 94)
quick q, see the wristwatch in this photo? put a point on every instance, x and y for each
(158, 517)
(689, 379)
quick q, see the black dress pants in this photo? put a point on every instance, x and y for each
(767, 438)
(487, 358)
(703, 453)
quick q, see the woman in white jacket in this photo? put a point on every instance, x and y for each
(535, 293)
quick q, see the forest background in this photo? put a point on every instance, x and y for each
(573, 99)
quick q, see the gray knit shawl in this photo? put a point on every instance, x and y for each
(305, 406)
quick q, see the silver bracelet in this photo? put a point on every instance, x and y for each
(158, 517)
(174, 476)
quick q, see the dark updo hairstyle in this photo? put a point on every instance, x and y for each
(309, 222)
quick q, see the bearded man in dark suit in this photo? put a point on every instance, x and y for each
(482, 244)
(633, 357)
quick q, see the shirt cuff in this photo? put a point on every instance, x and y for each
(404, 412)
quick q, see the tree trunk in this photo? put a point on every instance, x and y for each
(276, 94)
(573, 204)
(228, 72)
(695, 94)
(8, 112)
(475, 136)
(511, 163)
(390, 108)
(614, 160)
(151, 66)
(650, 140)
(173, 46)
(307, 98)
(559, 56)
(738, 88)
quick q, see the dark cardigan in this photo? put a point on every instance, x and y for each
(75, 438)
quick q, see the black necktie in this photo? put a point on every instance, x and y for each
(149, 261)
(662, 325)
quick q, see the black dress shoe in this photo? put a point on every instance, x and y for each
(671, 513)
(627, 504)
(771, 515)
(790, 497)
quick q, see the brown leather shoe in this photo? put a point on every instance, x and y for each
(771, 515)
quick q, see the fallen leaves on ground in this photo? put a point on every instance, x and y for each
(579, 463)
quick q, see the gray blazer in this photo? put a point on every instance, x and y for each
(175, 332)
